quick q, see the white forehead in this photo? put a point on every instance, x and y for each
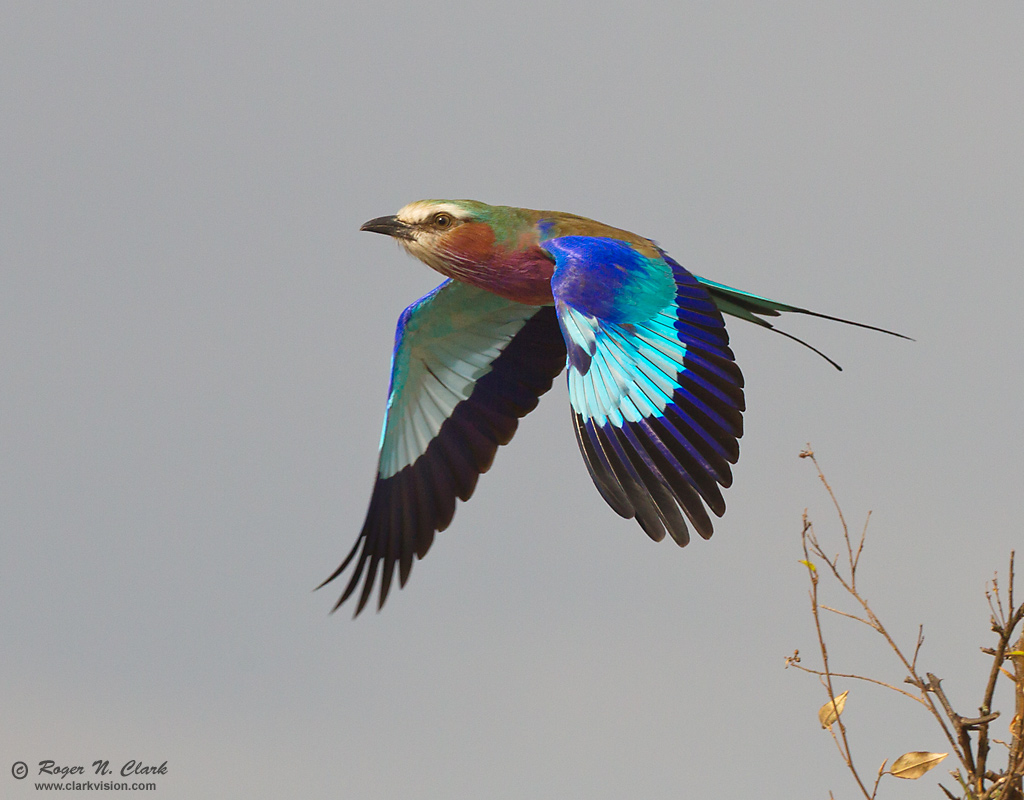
(422, 210)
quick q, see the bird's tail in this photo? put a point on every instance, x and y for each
(752, 308)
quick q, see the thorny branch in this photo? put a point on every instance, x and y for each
(976, 779)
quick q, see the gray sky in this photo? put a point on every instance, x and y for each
(195, 355)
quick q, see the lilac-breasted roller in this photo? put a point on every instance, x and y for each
(656, 395)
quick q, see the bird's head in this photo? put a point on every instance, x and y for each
(430, 229)
(447, 235)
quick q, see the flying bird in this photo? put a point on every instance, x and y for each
(655, 391)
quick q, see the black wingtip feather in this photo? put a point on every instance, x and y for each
(600, 471)
(666, 501)
(643, 504)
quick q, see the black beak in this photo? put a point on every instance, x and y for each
(390, 226)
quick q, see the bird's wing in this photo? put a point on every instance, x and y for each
(467, 365)
(656, 395)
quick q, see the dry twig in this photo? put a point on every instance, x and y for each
(976, 779)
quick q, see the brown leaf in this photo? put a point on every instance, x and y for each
(829, 713)
(913, 765)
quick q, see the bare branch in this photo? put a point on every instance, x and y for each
(934, 685)
(917, 648)
(948, 793)
(850, 616)
(809, 670)
(1004, 623)
(1013, 555)
(844, 748)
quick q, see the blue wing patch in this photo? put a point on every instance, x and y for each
(467, 365)
(656, 395)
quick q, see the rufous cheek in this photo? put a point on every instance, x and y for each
(473, 241)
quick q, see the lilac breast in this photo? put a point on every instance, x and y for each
(520, 275)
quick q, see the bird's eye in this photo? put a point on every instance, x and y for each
(442, 220)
